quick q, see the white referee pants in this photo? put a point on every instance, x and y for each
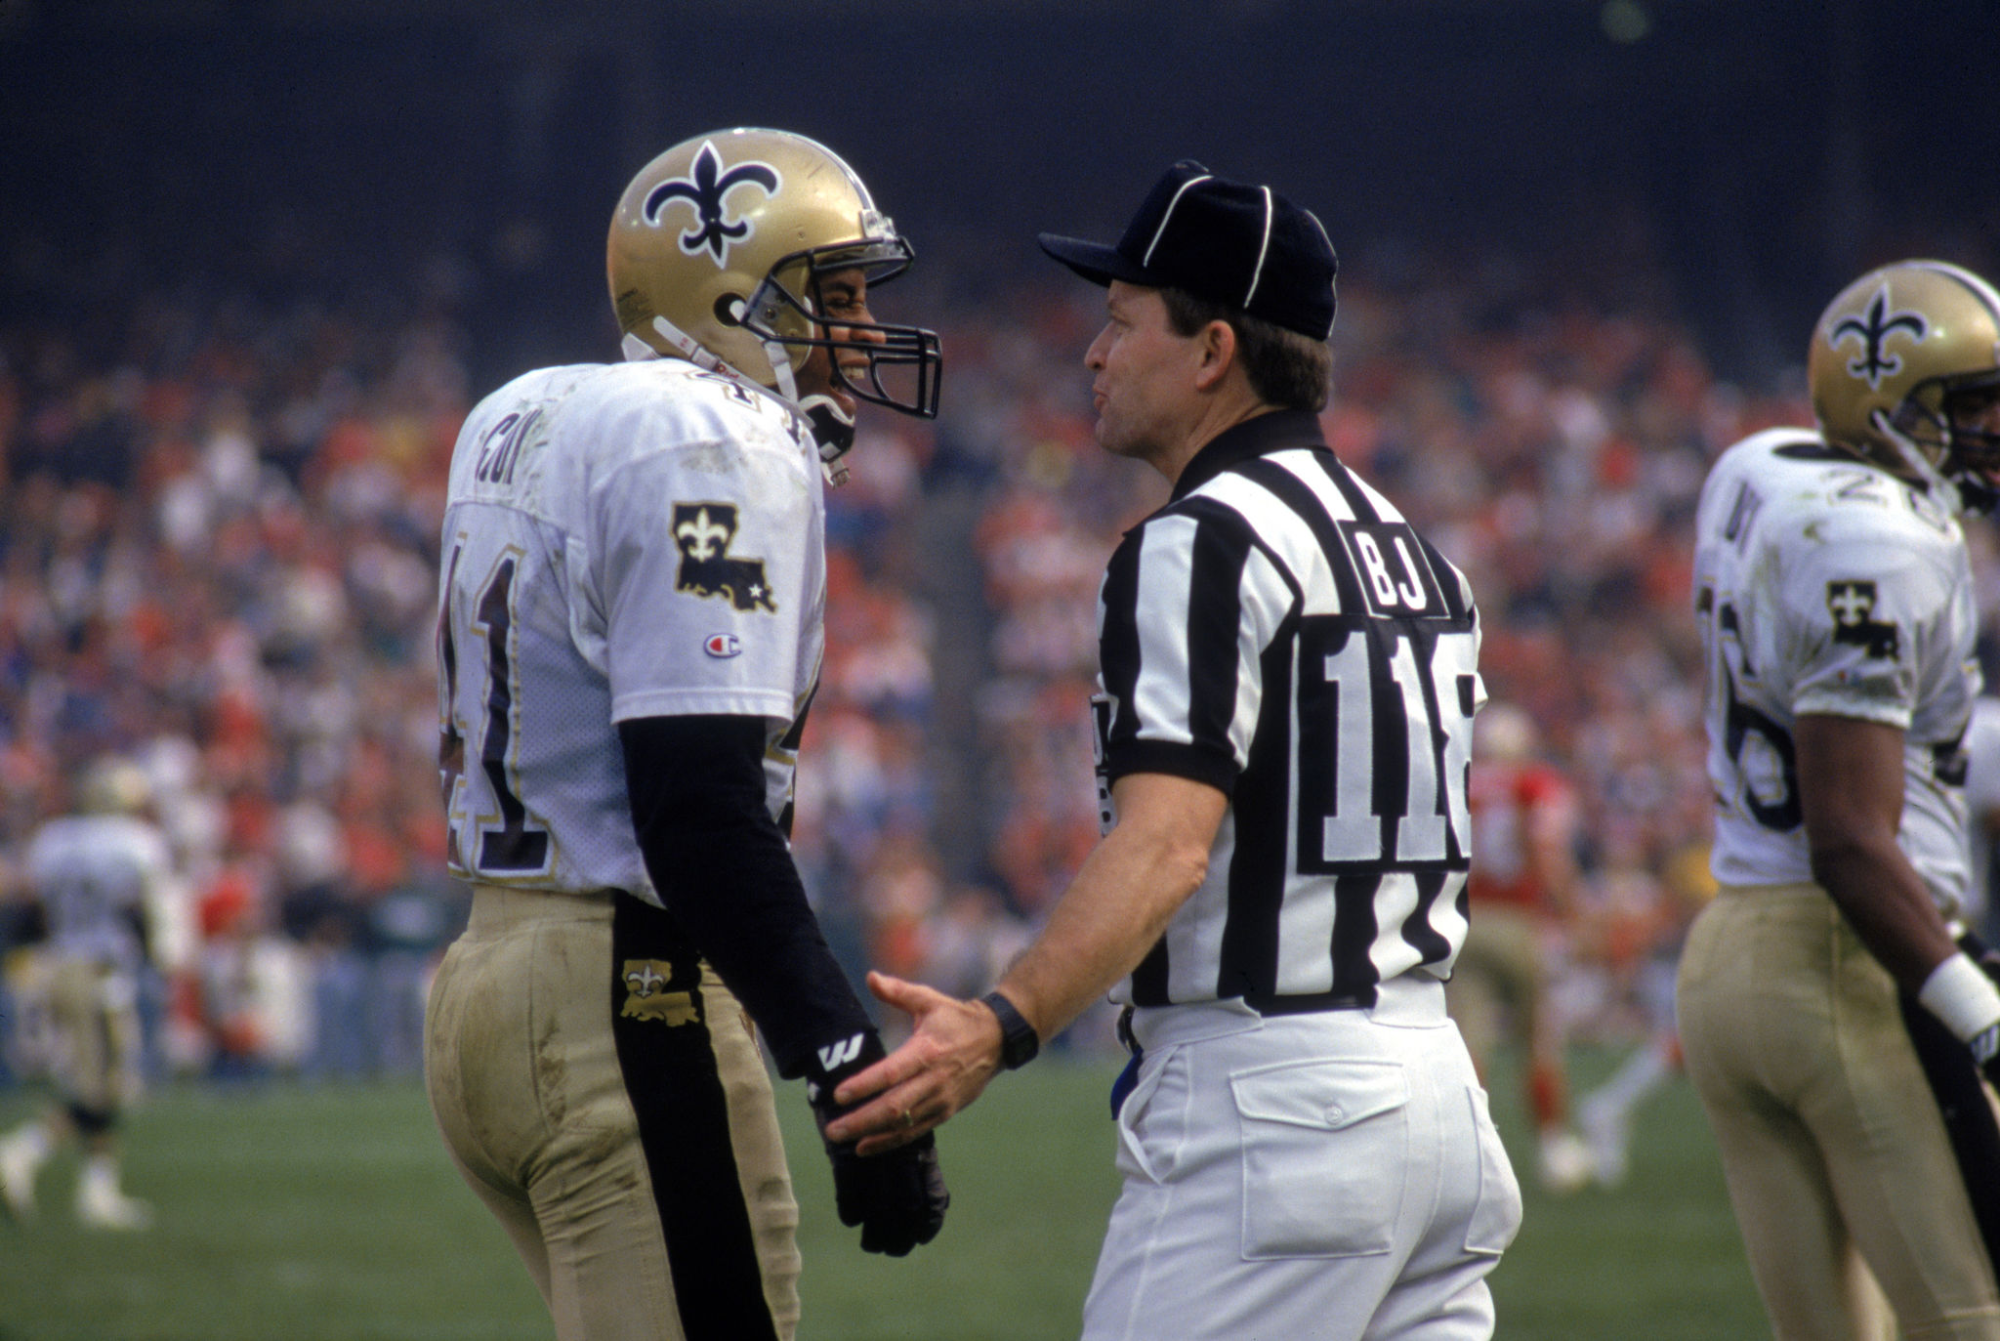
(1326, 1177)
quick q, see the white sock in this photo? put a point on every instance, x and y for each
(33, 1138)
(100, 1175)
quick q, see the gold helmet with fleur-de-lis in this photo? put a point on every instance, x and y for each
(1890, 356)
(716, 254)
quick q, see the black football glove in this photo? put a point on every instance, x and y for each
(897, 1198)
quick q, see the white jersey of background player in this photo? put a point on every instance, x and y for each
(97, 876)
(1828, 586)
(547, 528)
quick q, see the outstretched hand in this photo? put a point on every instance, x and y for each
(952, 1052)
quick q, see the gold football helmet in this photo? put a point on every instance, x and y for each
(114, 786)
(716, 254)
(1897, 361)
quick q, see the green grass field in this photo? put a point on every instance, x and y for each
(330, 1213)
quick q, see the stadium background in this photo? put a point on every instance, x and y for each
(257, 257)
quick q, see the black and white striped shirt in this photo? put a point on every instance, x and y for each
(1279, 632)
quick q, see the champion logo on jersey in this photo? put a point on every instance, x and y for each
(723, 645)
(708, 187)
(703, 532)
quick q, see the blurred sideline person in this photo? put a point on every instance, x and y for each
(631, 615)
(1523, 895)
(1288, 681)
(101, 875)
(1605, 1114)
(1833, 1030)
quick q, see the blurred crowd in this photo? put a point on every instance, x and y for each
(218, 535)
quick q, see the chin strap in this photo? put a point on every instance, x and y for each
(832, 427)
(638, 351)
(781, 370)
(1943, 488)
(833, 430)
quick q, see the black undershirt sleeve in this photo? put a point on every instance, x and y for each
(725, 872)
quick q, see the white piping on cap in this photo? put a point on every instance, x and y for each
(1161, 230)
(1329, 251)
(1257, 275)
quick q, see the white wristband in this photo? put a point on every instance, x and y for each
(1962, 996)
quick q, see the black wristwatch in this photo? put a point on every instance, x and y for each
(1018, 1044)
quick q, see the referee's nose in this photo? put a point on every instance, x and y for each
(1094, 356)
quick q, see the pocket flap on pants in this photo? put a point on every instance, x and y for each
(1323, 1094)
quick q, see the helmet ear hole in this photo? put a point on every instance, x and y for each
(729, 309)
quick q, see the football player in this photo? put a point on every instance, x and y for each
(1523, 892)
(102, 876)
(1830, 1025)
(630, 630)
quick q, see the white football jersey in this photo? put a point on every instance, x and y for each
(1982, 802)
(620, 541)
(1824, 585)
(93, 874)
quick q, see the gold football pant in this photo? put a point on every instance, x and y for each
(602, 1093)
(92, 1008)
(1498, 985)
(1832, 1143)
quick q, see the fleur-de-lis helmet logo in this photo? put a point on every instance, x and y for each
(1873, 329)
(708, 187)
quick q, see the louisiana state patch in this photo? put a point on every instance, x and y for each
(703, 532)
(647, 997)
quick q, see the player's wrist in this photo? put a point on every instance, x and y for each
(1018, 1040)
(1967, 1001)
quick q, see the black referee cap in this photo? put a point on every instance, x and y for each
(1243, 246)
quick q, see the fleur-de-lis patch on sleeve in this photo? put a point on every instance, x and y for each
(647, 997)
(1853, 607)
(703, 532)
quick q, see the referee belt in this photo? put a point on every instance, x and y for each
(1406, 1000)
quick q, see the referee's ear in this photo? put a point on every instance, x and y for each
(1218, 355)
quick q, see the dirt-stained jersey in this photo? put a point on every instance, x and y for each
(1826, 586)
(94, 874)
(621, 541)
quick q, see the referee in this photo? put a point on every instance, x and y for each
(1289, 674)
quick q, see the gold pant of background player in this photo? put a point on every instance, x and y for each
(1831, 1142)
(92, 1008)
(603, 1093)
(1498, 984)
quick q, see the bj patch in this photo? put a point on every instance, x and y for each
(647, 997)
